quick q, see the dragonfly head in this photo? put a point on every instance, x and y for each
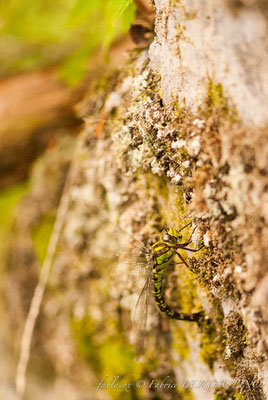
(171, 236)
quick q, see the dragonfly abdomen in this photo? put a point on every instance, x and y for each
(162, 255)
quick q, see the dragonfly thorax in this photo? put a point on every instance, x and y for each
(162, 253)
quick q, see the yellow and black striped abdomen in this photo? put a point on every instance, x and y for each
(162, 255)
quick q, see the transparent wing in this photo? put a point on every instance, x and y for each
(126, 260)
(138, 265)
(112, 245)
(141, 315)
(144, 306)
(131, 239)
(133, 254)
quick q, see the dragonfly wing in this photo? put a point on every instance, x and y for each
(144, 307)
(129, 238)
(135, 262)
(135, 255)
(138, 265)
(141, 315)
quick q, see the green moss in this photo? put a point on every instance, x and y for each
(222, 393)
(83, 333)
(9, 198)
(41, 235)
(108, 354)
(239, 396)
(217, 102)
(216, 97)
(212, 346)
(118, 357)
(185, 394)
(208, 351)
(178, 203)
(180, 342)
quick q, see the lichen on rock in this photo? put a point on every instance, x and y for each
(172, 143)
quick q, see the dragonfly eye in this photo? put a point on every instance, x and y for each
(166, 237)
(179, 238)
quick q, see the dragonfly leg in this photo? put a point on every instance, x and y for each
(190, 238)
(190, 223)
(193, 250)
(184, 262)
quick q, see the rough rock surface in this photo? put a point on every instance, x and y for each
(180, 136)
(225, 40)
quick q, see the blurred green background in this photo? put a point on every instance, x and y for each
(47, 48)
(41, 33)
(44, 35)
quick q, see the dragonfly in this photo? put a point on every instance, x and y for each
(153, 261)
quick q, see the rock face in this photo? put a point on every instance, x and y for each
(180, 136)
(226, 41)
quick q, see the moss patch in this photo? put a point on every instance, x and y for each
(111, 356)
(41, 234)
